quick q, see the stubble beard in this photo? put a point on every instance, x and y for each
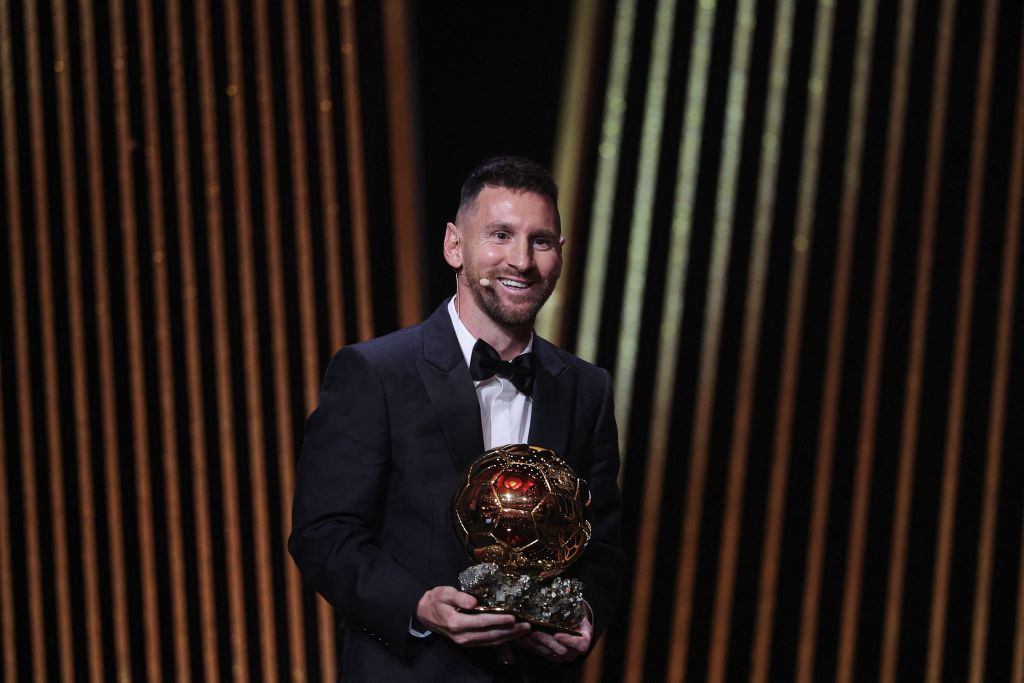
(488, 301)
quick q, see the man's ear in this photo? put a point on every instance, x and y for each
(453, 246)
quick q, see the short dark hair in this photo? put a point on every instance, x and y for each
(513, 173)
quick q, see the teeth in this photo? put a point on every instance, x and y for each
(514, 284)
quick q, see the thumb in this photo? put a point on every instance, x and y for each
(462, 600)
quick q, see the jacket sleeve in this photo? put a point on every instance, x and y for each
(603, 562)
(339, 494)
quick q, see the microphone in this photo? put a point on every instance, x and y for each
(484, 282)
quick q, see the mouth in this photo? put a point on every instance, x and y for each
(513, 284)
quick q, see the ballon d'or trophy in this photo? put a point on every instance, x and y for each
(519, 513)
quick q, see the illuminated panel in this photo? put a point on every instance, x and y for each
(105, 344)
(168, 413)
(961, 347)
(917, 336)
(125, 149)
(75, 291)
(330, 209)
(997, 411)
(643, 208)
(725, 205)
(764, 213)
(572, 117)
(604, 190)
(668, 338)
(249, 342)
(33, 566)
(237, 636)
(356, 171)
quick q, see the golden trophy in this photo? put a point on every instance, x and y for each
(519, 512)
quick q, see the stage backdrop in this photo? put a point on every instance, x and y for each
(793, 237)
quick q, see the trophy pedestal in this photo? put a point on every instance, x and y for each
(551, 604)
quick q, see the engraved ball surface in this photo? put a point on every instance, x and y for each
(522, 507)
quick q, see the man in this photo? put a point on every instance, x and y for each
(399, 419)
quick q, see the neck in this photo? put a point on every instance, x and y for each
(508, 341)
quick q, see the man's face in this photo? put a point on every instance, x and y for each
(512, 239)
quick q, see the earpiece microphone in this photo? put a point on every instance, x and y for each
(484, 282)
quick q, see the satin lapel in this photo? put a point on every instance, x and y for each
(450, 388)
(553, 401)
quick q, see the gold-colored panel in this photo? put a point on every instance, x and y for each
(329, 203)
(356, 171)
(76, 306)
(668, 349)
(764, 216)
(404, 155)
(247, 250)
(108, 389)
(164, 350)
(193, 380)
(961, 346)
(51, 390)
(998, 404)
(224, 394)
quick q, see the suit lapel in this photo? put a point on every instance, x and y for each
(553, 402)
(450, 387)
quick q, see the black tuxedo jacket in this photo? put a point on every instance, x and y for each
(398, 421)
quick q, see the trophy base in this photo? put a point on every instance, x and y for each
(555, 604)
(542, 625)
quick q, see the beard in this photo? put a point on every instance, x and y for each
(504, 314)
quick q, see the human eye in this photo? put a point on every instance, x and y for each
(501, 235)
(543, 242)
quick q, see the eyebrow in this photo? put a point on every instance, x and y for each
(501, 225)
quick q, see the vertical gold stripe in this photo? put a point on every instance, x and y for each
(917, 334)
(1018, 671)
(7, 624)
(817, 87)
(764, 217)
(193, 367)
(604, 191)
(307, 311)
(837, 336)
(405, 192)
(1018, 639)
(668, 341)
(1000, 380)
(80, 397)
(137, 372)
(168, 410)
(961, 349)
(26, 455)
(33, 565)
(725, 215)
(222, 353)
(328, 192)
(105, 348)
(356, 171)
(643, 210)
(577, 83)
(250, 323)
(1000, 375)
(37, 137)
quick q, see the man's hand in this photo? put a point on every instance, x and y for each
(560, 647)
(438, 611)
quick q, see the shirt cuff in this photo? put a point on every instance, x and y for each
(418, 634)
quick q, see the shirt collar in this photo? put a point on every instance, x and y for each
(466, 339)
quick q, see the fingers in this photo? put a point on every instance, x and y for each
(559, 647)
(439, 607)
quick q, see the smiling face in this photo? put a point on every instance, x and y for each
(511, 238)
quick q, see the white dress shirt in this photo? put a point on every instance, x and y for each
(505, 411)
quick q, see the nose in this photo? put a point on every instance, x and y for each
(520, 255)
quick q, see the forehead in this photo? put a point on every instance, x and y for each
(514, 209)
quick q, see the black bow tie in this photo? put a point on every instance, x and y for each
(486, 363)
